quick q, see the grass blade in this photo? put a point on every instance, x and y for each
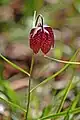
(67, 89)
(14, 65)
(13, 104)
(75, 111)
(73, 105)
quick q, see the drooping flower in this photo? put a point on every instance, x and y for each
(41, 37)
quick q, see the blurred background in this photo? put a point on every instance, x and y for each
(16, 17)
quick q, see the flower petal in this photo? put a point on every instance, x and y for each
(35, 40)
(51, 33)
(46, 42)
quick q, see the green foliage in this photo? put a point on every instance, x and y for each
(75, 111)
(5, 88)
(77, 5)
(4, 2)
(46, 111)
(31, 6)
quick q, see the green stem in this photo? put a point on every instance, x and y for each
(39, 16)
(31, 68)
(34, 18)
(14, 65)
(28, 104)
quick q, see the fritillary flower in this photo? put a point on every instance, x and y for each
(41, 37)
